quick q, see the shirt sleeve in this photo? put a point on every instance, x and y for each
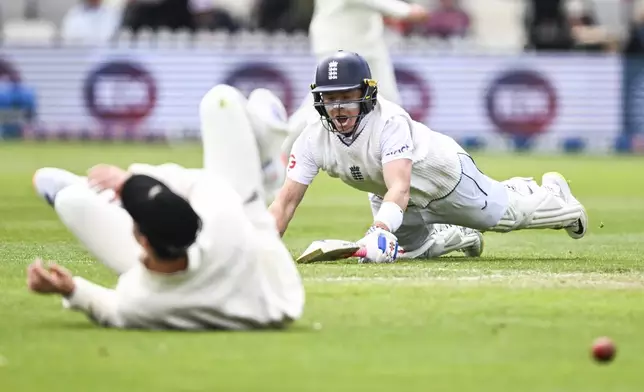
(392, 8)
(396, 141)
(100, 304)
(301, 164)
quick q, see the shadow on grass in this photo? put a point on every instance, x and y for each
(82, 325)
(456, 260)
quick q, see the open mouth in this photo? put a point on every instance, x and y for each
(343, 121)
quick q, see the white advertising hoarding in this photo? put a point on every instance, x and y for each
(549, 98)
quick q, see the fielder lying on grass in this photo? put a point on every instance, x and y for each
(195, 249)
(415, 177)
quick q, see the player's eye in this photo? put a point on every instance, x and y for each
(342, 105)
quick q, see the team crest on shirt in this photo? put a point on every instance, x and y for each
(333, 70)
(356, 173)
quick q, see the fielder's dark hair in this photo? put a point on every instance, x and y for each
(166, 219)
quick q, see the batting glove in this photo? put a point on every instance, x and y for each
(381, 246)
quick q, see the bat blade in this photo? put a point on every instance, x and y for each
(328, 250)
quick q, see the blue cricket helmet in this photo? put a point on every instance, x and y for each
(344, 71)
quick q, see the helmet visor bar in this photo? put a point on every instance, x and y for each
(344, 105)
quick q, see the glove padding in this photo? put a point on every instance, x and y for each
(381, 246)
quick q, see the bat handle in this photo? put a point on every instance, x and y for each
(362, 252)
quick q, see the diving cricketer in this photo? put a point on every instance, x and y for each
(416, 177)
(194, 248)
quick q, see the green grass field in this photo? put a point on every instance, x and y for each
(521, 318)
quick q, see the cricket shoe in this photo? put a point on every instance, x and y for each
(450, 238)
(48, 181)
(557, 183)
(462, 239)
(474, 242)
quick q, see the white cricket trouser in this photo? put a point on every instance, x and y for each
(482, 203)
(478, 201)
(230, 152)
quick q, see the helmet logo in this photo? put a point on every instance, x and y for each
(333, 70)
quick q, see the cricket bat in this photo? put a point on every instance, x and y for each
(330, 250)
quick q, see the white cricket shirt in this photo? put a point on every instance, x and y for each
(352, 25)
(239, 276)
(388, 133)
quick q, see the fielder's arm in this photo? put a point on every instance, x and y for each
(99, 303)
(397, 9)
(288, 199)
(392, 8)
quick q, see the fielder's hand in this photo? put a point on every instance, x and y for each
(381, 246)
(418, 14)
(102, 177)
(53, 279)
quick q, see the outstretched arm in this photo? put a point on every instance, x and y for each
(397, 176)
(396, 147)
(301, 171)
(287, 200)
(397, 9)
(98, 303)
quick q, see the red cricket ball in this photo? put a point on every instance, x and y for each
(604, 350)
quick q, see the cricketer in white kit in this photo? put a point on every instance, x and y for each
(417, 177)
(356, 26)
(194, 248)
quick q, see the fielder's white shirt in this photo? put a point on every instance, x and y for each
(387, 133)
(352, 25)
(239, 276)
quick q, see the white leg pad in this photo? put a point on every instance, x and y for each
(534, 207)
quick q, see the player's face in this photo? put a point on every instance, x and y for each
(343, 108)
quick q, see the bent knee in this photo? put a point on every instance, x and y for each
(220, 96)
(73, 198)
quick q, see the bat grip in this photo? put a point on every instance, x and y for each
(362, 252)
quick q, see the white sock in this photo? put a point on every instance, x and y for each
(48, 181)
